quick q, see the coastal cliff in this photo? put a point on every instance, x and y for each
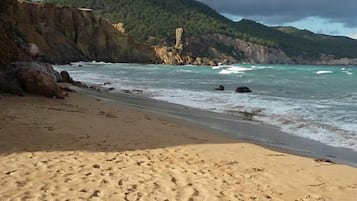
(212, 49)
(63, 34)
(211, 36)
(225, 48)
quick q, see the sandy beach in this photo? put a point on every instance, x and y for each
(83, 148)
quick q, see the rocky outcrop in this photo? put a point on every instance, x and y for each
(38, 66)
(169, 55)
(65, 77)
(173, 55)
(179, 45)
(225, 49)
(63, 34)
(229, 50)
(10, 84)
(178, 55)
(120, 27)
(30, 77)
(38, 82)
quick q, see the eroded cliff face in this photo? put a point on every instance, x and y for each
(226, 48)
(63, 34)
(219, 47)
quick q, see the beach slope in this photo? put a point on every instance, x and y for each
(82, 148)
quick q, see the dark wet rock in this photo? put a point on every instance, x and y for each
(107, 83)
(65, 77)
(322, 160)
(220, 88)
(79, 84)
(111, 89)
(126, 91)
(8, 84)
(243, 90)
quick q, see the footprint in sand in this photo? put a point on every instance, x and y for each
(312, 198)
(107, 114)
(96, 193)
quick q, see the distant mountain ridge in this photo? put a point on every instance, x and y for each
(155, 21)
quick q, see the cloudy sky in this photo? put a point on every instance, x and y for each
(334, 17)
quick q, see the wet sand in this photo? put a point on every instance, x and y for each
(84, 148)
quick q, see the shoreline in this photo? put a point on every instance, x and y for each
(227, 125)
(87, 148)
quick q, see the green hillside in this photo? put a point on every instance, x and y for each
(300, 42)
(160, 18)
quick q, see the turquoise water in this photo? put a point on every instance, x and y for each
(316, 102)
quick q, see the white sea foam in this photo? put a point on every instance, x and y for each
(292, 116)
(347, 72)
(323, 72)
(325, 133)
(264, 67)
(326, 120)
(100, 62)
(235, 70)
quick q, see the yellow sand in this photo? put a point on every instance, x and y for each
(84, 149)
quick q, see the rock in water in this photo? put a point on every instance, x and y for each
(38, 82)
(243, 90)
(179, 33)
(220, 88)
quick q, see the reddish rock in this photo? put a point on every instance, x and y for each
(40, 83)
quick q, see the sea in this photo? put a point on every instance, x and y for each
(314, 102)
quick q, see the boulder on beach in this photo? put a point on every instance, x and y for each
(37, 82)
(65, 77)
(43, 67)
(243, 90)
(10, 85)
(31, 77)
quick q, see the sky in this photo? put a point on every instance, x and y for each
(333, 17)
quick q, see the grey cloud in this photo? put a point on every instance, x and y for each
(281, 11)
